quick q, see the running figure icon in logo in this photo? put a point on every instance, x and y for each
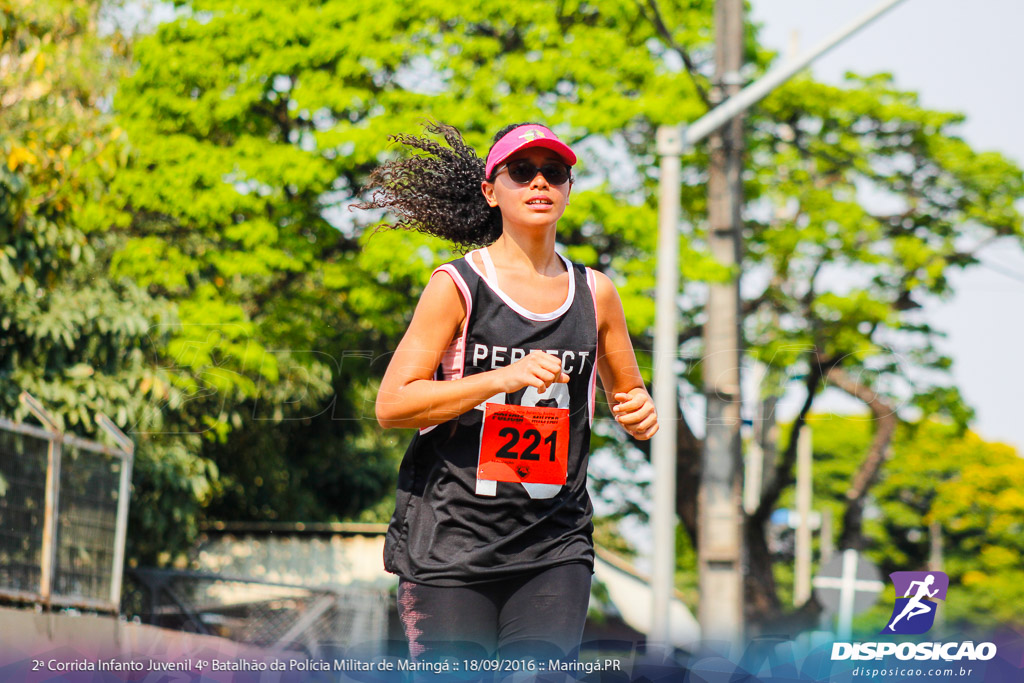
(916, 609)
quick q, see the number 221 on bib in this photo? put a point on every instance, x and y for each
(524, 443)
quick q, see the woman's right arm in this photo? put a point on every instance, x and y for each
(410, 397)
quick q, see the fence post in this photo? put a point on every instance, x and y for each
(51, 518)
(48, 561)
(121, 529)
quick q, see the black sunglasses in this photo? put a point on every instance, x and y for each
(523, 171)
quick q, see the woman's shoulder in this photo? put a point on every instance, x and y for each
(605, 293)
(458, 265)
(444, 292)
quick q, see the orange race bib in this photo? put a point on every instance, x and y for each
(527, 444)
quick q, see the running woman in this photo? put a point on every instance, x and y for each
(492, 536)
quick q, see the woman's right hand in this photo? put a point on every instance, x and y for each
(538, 369)
(411, 398)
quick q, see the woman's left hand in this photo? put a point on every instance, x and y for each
(635, 412)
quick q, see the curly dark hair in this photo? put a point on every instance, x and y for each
(437, 192)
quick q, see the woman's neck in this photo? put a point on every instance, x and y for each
(533, 248)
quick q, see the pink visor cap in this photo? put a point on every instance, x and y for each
(524, 137)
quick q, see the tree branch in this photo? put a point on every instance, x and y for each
(688, 471)
(867, 474)
(808, 298)
(666, 35)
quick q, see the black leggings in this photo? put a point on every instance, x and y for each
(536, 616)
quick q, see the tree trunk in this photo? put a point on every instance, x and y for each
(852, 535)
(688, 449)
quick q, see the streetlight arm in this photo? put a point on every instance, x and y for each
(760, 88)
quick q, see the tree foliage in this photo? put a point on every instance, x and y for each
(252, 127)
(79, 340)
(864, 203)
(937, 480)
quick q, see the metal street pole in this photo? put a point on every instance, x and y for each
(666, 400)
(663, 445)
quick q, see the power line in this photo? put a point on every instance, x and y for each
(1019, 277)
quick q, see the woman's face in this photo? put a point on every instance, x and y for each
(536, 203)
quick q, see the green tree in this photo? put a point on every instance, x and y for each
(80, 341)
(937, 479)
(870, 205)
(252, 127)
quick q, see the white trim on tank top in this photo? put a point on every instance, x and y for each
(492, 281)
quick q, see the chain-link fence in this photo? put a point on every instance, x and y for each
(63, 517)
(264, 614)
(22, 512)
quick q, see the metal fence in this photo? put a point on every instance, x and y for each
(63, 514)
(261, 613)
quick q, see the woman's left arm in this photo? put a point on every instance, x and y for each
(632, 406)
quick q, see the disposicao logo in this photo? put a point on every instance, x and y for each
(914, 613)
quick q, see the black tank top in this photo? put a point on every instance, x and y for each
(451, 529)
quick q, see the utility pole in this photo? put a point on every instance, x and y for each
(802, 577)
(935, 547)
(827, 544)
(935, 560)
(720, 535)
(753, 467)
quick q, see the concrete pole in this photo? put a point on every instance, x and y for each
(720, 536)
(935, 547)
(767, 435)
(663, 446)
(827, 544)
(935, 561)
(802, 578)
(753, 475)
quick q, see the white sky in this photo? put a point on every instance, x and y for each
(962, 57)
